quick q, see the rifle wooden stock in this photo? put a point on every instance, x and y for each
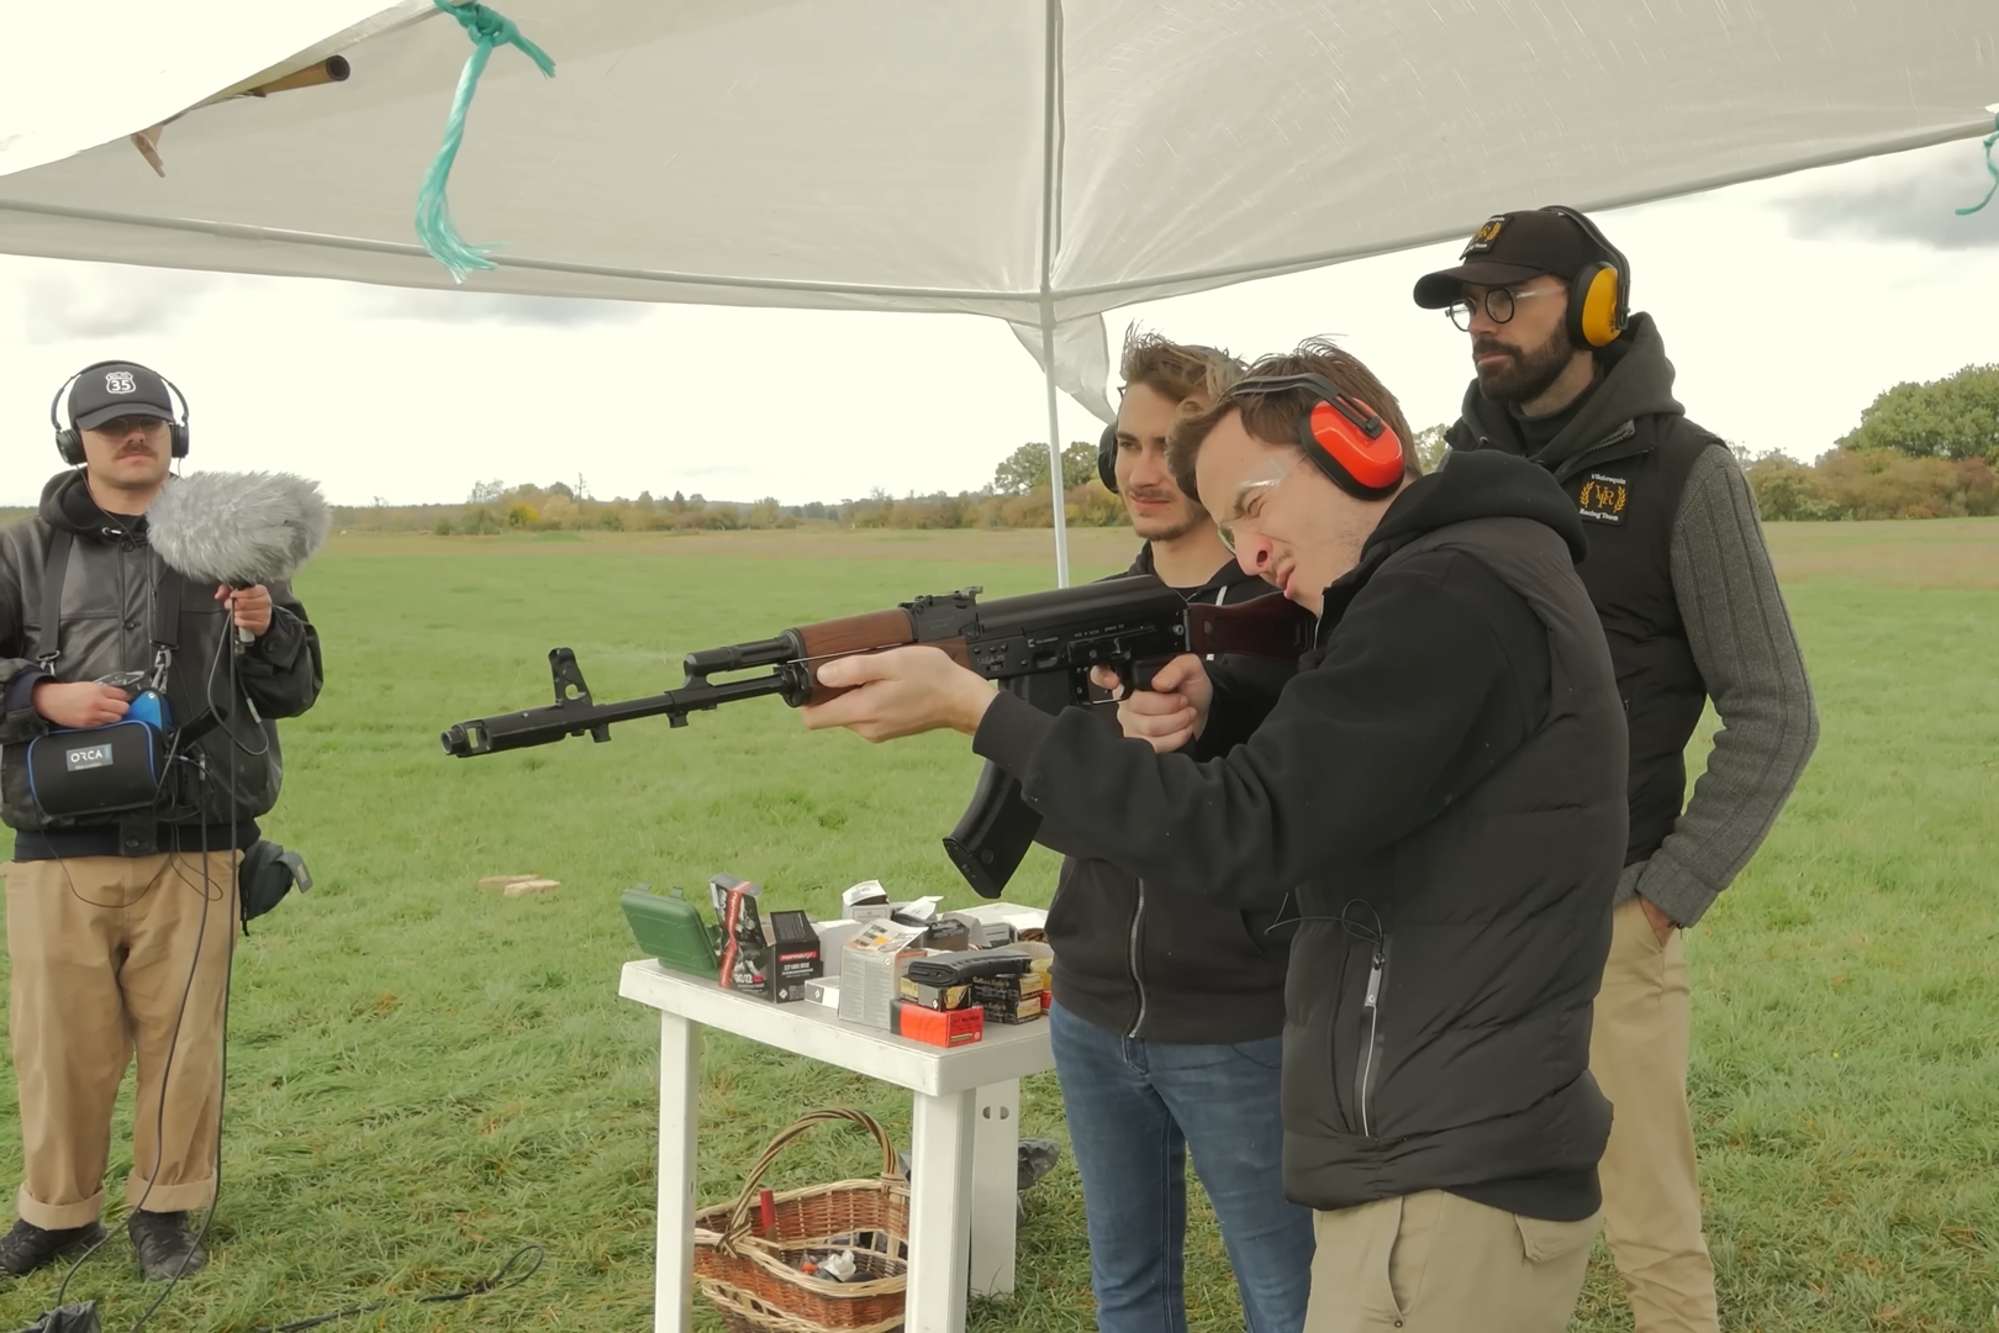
(1267, 627)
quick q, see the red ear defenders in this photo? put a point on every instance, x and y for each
(69, 441)
(1600, 295)
(1346, 438)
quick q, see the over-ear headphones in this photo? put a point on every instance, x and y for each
(1347, 439)
(1107, 442)
(1600, 295)
(69, 441)
(1107, 458)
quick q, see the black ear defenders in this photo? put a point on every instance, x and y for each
(69, 441)
(1600, 295)
(1107, 458)
(1107, 442)
(1346, 438)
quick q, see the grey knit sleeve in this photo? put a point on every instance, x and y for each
(1741, 636)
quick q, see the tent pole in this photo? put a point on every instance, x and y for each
(1057, 493)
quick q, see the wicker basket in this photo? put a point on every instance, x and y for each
(754, 1282)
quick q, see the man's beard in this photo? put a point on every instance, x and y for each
(1170, 526)
(1523, 376)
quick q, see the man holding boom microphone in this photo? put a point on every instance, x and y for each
(122, 898)
(1441, 788)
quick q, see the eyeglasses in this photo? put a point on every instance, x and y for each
(1278, 473)
(1499, 302)
(126, 425)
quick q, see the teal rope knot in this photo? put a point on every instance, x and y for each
(484, 25)
(1991, 168)
(487, 28)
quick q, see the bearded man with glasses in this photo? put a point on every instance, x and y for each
(1568, 377)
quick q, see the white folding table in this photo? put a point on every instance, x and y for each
(965, 1133)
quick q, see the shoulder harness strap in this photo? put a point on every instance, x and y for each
(48, 635)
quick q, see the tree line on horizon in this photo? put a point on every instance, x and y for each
(1921, 450)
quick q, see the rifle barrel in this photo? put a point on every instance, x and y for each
(552, 722)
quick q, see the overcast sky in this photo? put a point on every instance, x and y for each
(1786, 306)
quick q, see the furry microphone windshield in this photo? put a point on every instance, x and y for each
(238, 528)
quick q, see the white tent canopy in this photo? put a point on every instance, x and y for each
(1039, 163)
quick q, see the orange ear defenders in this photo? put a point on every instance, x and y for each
(1599, 296)
(1349, 441)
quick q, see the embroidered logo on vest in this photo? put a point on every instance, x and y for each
(1603, 498)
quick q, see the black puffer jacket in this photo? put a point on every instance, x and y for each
(1150, 962)
(1442, 788)
(107, 623)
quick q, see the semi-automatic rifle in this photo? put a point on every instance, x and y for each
(1039, 646)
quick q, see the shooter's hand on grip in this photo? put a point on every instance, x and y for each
(1172, 711)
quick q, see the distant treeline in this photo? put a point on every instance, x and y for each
(1928, 450)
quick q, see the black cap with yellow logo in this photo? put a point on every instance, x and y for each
(1513, 247)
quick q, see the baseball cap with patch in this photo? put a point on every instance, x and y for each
(1510, 248)
(118, 389)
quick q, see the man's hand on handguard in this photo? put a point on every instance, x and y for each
(1170, 714)
(899, 692)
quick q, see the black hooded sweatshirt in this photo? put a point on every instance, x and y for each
(110, 597)
(1442, 789)
(1150, 963)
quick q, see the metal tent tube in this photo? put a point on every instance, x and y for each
(1057, 498)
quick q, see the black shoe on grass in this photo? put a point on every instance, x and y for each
(164, 1245)
(29, 1247)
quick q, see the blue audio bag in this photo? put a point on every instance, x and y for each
(80, 773)
(96, 771)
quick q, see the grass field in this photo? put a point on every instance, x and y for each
(424, 1075)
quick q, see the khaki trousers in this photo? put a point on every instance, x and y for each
(1436, 1263)
(102, 949)
(1651, 1190)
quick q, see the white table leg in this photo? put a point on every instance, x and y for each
(940, 1212)
(995, 1187)
(679, 1088)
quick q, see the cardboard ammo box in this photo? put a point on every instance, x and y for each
(939, 1027)
(833, 937)
(951, 934)
(866, 901)
(1013, 1012)
(793, 956)
(746, 954)
(1019, 998)
(934, 997)
(871, 972)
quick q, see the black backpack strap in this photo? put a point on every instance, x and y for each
(166, 609)
(48, 636)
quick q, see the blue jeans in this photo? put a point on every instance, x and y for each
(1135, 1108)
